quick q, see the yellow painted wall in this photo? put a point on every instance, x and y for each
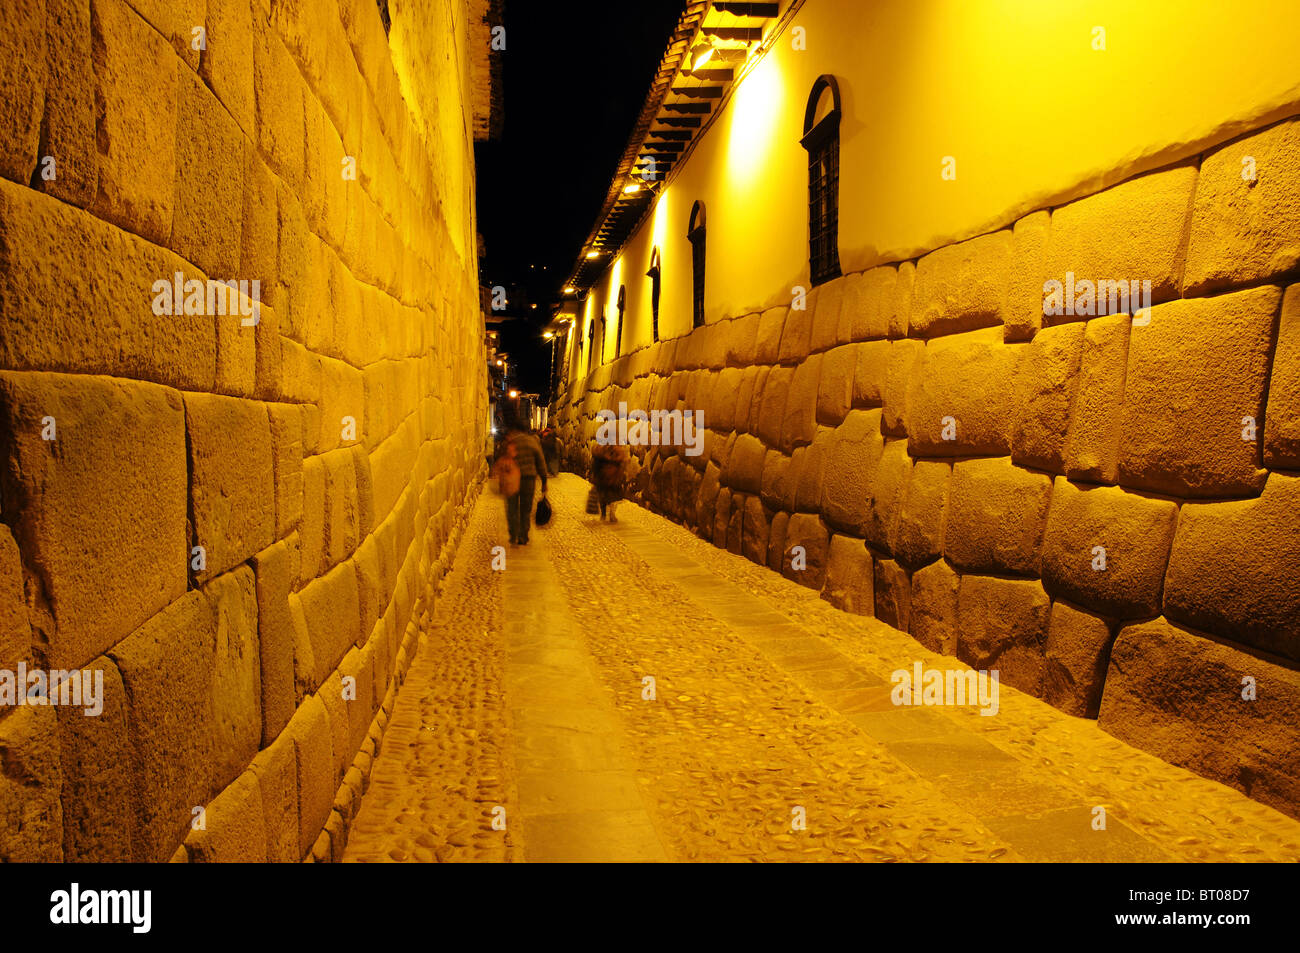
(1012, 89)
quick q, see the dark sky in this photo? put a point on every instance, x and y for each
(576, 73)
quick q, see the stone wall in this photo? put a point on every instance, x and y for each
(1102, 508)
(241, 526)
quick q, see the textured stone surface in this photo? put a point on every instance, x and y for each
(850, 465)
(1092, 445)
(1127, 533)
(1234, 567)
(1046, 384)
(1133, 231)
(962, 287)
(996, 515)
(922, 520)
(1023, 315)
(1282, 418)
(232, 494)
(961, 396)
(835, 391)
(15, 632)
(1244, 230)
(1183, 419)
(893, 594)
(808, 532)
(31, 816)
(119, 452)
(234, 830)
(1179, 696)
(1078, 646)
(934, 607)
(1002, 625)
(885, 490)
(22, 77)
(850, 584)
(136, 74)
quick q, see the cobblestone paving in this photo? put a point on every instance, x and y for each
(770, 707)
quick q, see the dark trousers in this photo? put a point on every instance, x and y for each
(519, 510)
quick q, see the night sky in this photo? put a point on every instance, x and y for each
(576, 73)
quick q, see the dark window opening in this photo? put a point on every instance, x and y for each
(653, 275)
(822, 141)
(622, 302)
(591, 337)
(695, 232)
(384, 18)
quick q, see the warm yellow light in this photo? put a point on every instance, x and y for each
(569, 289)
(756, 111)
(514, 393)
(499, 364)
(633, 187)
(548, 335)
(593, 254)
(702, 57)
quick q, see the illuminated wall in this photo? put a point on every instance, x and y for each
(1011, 89)
(1092, 494)
(237, 526)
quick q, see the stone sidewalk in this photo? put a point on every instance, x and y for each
(771, 733)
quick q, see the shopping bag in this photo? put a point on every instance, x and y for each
(543, 515)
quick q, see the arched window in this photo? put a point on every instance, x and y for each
(821, 137)
(653, 275)
(622, 304)
(591, 338)
(695, 232)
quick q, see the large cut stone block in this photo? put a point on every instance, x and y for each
(741, 337)
(206, 220)
(1131, 232)
(1045, 389)
(22, 82)
(1195, 374)
(99, 511)
(31, 816)
(15, 632)
(850, 466)
(829, 302)
(744, 469)
(885, 495)
(1282, 418)
(871, 375)
(996, 514)
(799, 423)
(1235, 568)
(234, 830)
(961, 399)
(314, 748)
(924, 515)
(934, 607)
(1092, 444)
(962, 287)
(61, 315)
(227, 63)
(807, 532)
(893, 594)
(850, 584)
(1002, 626)
(835, 391)
(1077, 650)
(232, 494)
(278, 91)
(1107, 548)
(902, 370)
(277, 570)
(333, 612)
(69, 123)
(98, 792)
(136, 73)
(1023, 315)
(767, 345)
(776, 391)
(754, 532)
(868, 299)
(191, 678)
(1246, 229)
(1179, 696)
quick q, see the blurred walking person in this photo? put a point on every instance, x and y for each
(551, 450)
(531, 464)
(608, 474)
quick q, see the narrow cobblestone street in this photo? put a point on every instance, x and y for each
(769, 706)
